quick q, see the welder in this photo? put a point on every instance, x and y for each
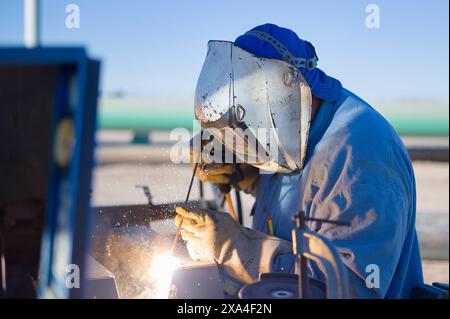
(301, 142)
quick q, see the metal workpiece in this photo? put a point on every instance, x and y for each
(127, 252)
(127, 238)
(100, 281)
(197, 280)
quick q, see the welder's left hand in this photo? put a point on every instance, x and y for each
(215, 236)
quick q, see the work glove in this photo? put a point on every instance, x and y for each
(241, 176)
(214, 236)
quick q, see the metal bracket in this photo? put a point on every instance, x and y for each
(312, 246)
(147, 193)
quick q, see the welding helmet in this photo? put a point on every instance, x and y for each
(259, 108)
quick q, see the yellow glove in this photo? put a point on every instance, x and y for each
(214, 236)
(240, 175)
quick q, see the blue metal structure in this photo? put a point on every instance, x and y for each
(68, 215)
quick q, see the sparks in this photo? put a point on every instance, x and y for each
(161, 271)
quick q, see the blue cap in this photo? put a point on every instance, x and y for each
(273, 42)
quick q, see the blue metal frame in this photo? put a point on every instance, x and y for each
(74, 64)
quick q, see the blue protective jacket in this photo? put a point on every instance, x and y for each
(357, 170)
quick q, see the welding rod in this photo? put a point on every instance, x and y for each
(177, 234)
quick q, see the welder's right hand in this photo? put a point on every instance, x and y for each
(241, 176)
(214, 236)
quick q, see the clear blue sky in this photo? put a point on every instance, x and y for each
(156, 48)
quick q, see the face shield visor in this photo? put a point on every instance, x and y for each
(259, 108)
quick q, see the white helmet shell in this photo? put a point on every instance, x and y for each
(264, 103)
